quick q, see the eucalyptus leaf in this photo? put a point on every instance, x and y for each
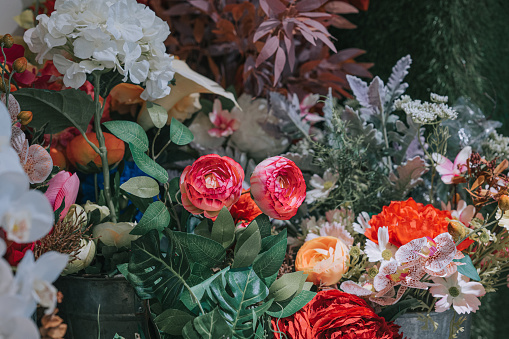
(468, 269)
(67, 108)
(223, 230)
(143, 187)
(179, 133)
(157, 113)
(283, 309)
(148, 165)
(129, 132)
(289, 285)
(248, 246)
(172, 321)
(156, 217)
(157, 275)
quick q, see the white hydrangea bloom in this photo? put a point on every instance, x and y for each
(82, 36)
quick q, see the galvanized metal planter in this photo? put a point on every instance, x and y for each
(411, 326)
(121, 311)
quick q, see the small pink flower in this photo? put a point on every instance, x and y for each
(63, 185)
(463, 212)
(305, 105)
(211, 183)
(278, 187)
(449, 170)
(223, 120)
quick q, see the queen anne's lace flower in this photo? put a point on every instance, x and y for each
(426, 112)
(105, 35)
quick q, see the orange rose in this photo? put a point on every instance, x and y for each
(245, 210)
(57, 157)
(323, 259)
(79, 151)
(409, 220)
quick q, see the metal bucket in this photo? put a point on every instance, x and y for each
(121, 311)
(414, 328)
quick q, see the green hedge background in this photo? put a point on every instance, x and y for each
(459, 48)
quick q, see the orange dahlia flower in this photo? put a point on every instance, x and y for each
(244, 210)
(409, 220)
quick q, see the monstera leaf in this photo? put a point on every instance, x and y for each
(156, 275)
(237, 294)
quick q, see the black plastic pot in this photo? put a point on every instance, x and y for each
(105, 305)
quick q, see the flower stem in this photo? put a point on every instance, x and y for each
(103, 151)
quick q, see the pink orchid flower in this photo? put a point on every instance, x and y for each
(449, 170)
(392, 274)
(433, 256)
(224, 122)
(63, 185)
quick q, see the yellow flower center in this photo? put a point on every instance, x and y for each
(373, 271)
(387, 254)
(211, 181)
(327, 185)
(454, 291)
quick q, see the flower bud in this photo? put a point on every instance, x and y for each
(25, 117)
(118, 234)
(457, 230)
(83, 259)
(76, 216)
(503, 203)
(103, 211)
(7, 41)
(20, 64)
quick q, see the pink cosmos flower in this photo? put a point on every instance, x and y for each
(463, 212)
(457, 291)
(211, 183)
(63, 185)
(223, 120)
(278, 187)
(449, 170)
(433, 256)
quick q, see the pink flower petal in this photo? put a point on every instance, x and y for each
(461, 158)
(38, 165)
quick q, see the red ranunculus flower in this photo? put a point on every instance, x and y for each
(245, 210)
(278, 187)
(333, 314)
(211, 183)
(409, 220)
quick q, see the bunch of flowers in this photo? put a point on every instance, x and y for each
(83, 37)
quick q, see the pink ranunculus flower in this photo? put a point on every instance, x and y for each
(278, 187)
(63, 185)
(211, 183)
(224, 121)
(449, 170)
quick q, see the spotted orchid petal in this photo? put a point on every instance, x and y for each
(38, 164)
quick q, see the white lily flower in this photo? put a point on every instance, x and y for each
(383, 251)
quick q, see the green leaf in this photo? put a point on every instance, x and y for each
(289, 285)
(223, 230)
(59, 210)
(143, 187)
(264, 225)
(272, 240)
(172, 321)
(203, 229)
(179, 133)
(269, 262)
(247, 247)
(153, 274)
(148, 165)
(157, 113)
(208, 326)
(200, 249)
(289, 307)
(236, 307)
(130, 132)
(468, 269)
(199, 290)
(141, 203)
(156, 217)
(67, 108)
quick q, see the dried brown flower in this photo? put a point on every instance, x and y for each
(488, 184)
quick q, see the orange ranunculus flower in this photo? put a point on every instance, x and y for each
(211, 183)
(409, 220)
(323, 259)
(80, 152)
(245, 210)
(58, 157)
(124, 96)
